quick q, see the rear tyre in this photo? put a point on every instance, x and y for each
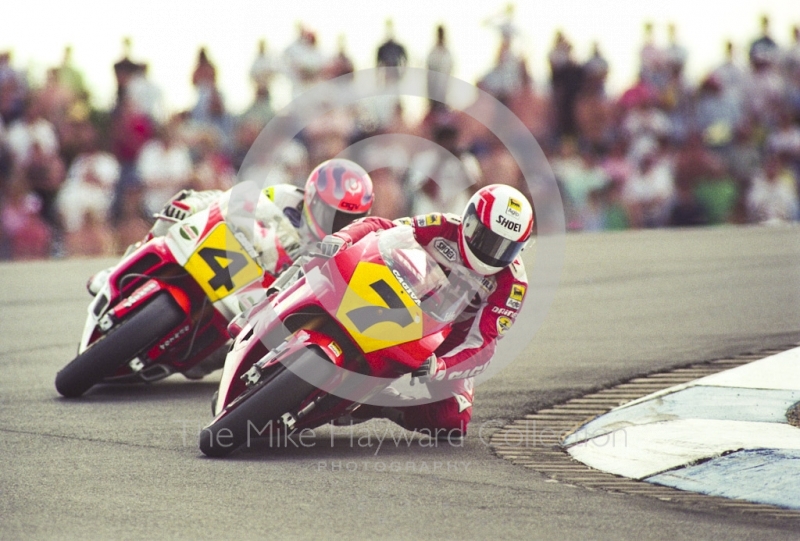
(246, 418)
(124, 342)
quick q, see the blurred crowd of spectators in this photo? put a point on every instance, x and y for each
(667, 151)
(672, 152)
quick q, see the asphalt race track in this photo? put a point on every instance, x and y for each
(123, 462)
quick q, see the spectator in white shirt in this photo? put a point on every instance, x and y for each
(649, 191)
(164, 167)
(32, 129)
(773, 194)
(439, 60)
(88, 189)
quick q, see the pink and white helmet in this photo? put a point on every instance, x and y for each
(337, 193)
(495, 227)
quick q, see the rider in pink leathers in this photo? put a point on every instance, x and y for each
(487, 238)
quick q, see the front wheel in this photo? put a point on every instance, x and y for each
(248, 416)
(124, 342)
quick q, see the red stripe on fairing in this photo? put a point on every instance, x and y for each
(214, 217)
(284, 261)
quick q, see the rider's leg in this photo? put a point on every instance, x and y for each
(446, 419)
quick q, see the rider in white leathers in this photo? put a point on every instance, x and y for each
(336, 193)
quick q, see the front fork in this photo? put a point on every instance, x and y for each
(101, 318)
(97, 319)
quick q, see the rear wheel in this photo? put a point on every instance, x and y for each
(124, 342)
(248, 416)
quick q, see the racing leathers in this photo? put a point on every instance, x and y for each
(286, 197)
(288, 201)
(469, 347)
(186, 203)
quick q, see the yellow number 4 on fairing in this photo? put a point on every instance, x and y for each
(221, 265)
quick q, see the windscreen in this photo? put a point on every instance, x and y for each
(268, 231)
(441, 295)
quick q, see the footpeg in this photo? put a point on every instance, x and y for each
(252, 376)
(288, 420)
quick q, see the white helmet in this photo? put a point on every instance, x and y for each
(495, 227)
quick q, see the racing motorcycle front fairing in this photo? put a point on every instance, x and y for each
(378, 308)
(207, 266)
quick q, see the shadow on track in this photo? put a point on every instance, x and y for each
(145, 392)
(374, 442)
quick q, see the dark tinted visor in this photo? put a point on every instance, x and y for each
(330, 219)
(488, 246)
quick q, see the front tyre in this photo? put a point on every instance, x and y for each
(124, 342)
(246, 418)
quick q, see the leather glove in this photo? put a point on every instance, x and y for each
(329, 246)
(426, 371)
(175, 209)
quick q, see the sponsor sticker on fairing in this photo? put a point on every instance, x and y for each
(515, 305)
(169, 341)
(334, 347)
(189, 232)
(406, 287)
(139, 294)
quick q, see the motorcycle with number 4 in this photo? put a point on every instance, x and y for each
(314, 351)
(165, 306)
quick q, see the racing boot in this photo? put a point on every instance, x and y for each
(365, 412)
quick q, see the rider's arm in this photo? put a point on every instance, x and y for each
(361, 228)
(183, 204)
(426, 227)
(494, 318)
(186, 203)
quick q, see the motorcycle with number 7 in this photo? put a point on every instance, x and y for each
(165, 306)
(334, 338)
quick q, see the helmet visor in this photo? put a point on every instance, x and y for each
(329, 219)
(489, 247)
